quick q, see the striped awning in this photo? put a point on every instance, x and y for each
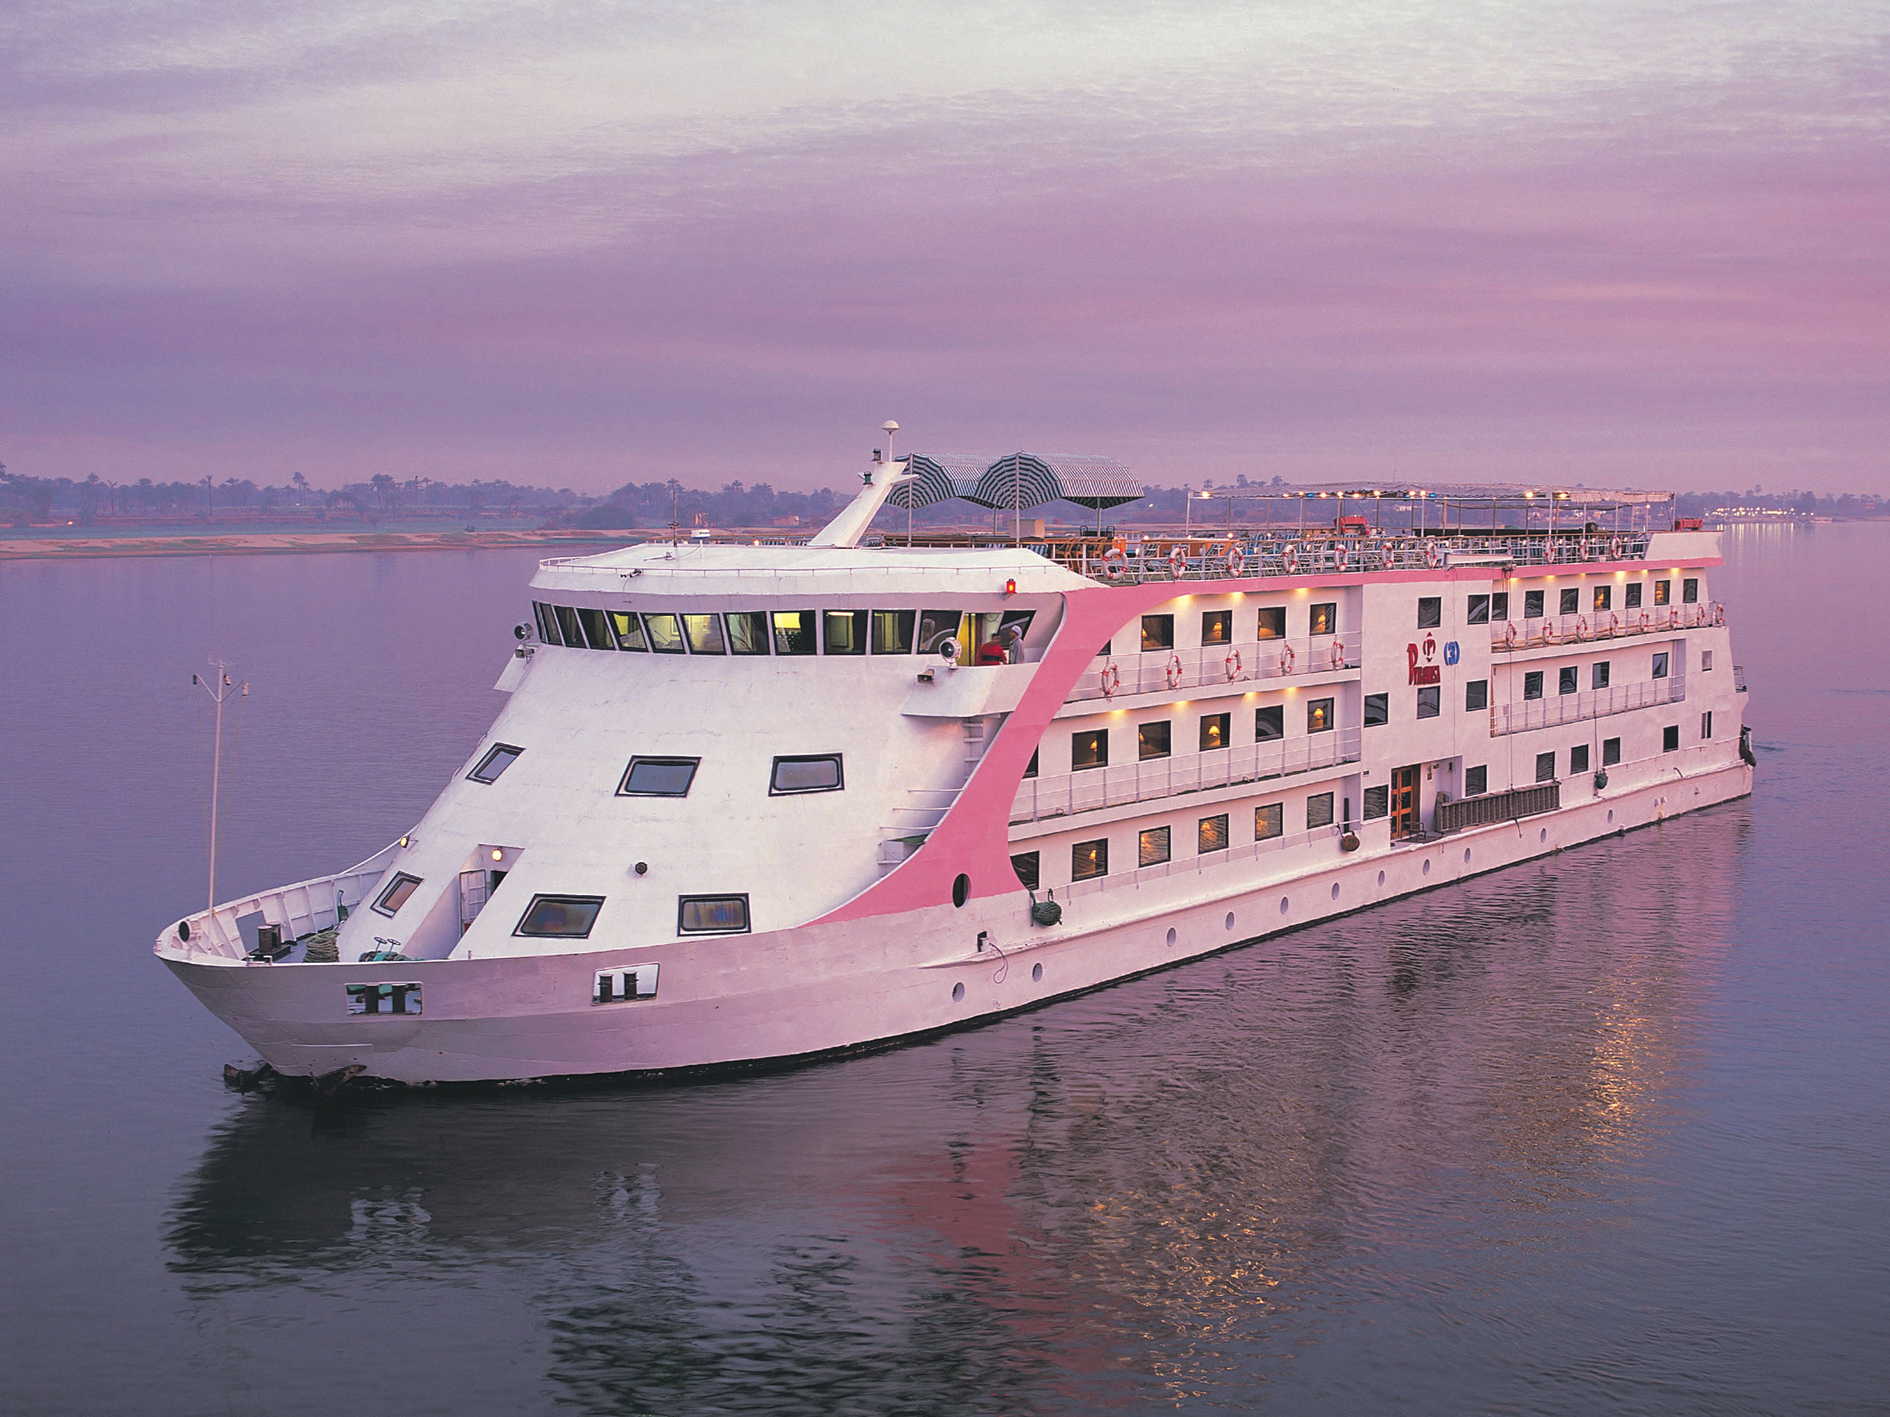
(1020, 480)
(936, 477)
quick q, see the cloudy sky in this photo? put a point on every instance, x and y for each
(579, 243)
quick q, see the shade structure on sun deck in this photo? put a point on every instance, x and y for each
(1020, 480)
(937, 477)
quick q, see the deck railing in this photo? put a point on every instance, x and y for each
(1596, 703)
(1496, 807)
(297, 910)
(1584, 629)
(1154, 671)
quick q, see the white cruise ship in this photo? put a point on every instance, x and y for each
(758, 802)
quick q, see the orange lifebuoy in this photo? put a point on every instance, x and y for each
(1509, 635)
(1338, 654)
(1111, 679)
(1289, 558)
(1581, 627)
(1433, 555)
(1614, 624)
(1178, 560)
(1233, 664)
(1115, 564)
(1173, 671)
(1287, 660)
(1719, 613)
(1236, 562)
(1673, 618)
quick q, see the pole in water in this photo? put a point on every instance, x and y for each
(219, 691)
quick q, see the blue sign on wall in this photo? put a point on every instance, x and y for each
(1450, 652)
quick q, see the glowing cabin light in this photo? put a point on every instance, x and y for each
(497, 854)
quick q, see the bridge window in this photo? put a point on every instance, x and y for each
(493, 765)
(1153, 740)
(935, 627)
(712, 915)
(547, 623)
(747, 632)
(570, 635)
(596, 629)
(704, 633)
(629, 630)
(892, 631)
(845, 631)
(813, 772)
(1151, 847)
(665, 632)
(560, 917)
(794, 632)
(658, 777)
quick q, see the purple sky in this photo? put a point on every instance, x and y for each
(582, 243)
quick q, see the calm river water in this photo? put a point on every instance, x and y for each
(1606, 1134)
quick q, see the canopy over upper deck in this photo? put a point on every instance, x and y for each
(1016, 481)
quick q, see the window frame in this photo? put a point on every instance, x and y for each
(809, 626)
(1603, 598)
(1499, 606)
(1476, 780)
(485, 762)
(713, 641)
(1099, 856)
(774, 774)
(1663, 593)
(1375, 802)
(1545, 767)
(1161, 727)
(595, 901)
(1661, 666)
(1322, 618)
(935, 627)
(683, 902)
(765, 640)
(624, 789)
(596, 625)
(1154, 838)
(1270, 623)
(1165, 625)
(1568, 679)
(1222, 621)
(1690, 590)
(1320, 801)
(1202, 834)
(1532, 684)
(1270, 827)
(1102, 748)
(906, 627)
(649, 630)
(1224, 722)
(1670, 738)
(1569, 600)
(1476, 695)
(1327, 711)
(1631, 595)
(631, 640)
(1379, 704)
(1031, 881)
(1600, 674)
(1430, 701)
(569, 635)
(1273, 715)
(1578, 760)
(1430, 612)
(1533, 604)
(401, 878)
(1477, 610)
(1610, 752)
(861, 626)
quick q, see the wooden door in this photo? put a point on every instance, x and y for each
(1404, 804)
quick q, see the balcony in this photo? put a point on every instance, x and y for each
(1562, 631)
(1044, 798)
(1215, 666)
(1575, 708)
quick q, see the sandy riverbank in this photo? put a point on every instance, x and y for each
(72, 548)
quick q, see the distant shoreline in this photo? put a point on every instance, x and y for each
(293, 543)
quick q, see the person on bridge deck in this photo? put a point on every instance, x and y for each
(991, 652)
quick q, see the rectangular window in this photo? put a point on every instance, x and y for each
(658, 777)
(1532, 684)
(1215, 732)
(1476, 781)
(629, 630)
(1151, 847)
(1089, 749)
(1477, 612)
(1610, 752)
(1152, 740)
(1430, 612)
(1269, 723)
(395, 896)
(1660, 665)
(844, 631)
(1211, 835)
(1025, 865)
(1499, 605)
(1217, 627)
(665, 632)
(1323, 619)
(1377, 803)
(1631, 598)
(1430, 701)
(560, 917)
(1568, 679)
(1598, 673)
(1377, 710)
(793, 631)
(1269, 821)
(806, 772)
(1158, 632)
(1578, 759)
(748, 632)
(384, 998)
(712, 915)
(892, 631)
(1319, 810)
(1670, 739)
(1272, 624)
(1532, 604)
(1476, 695)
(1571, 600)
(1089, 859)
(547, 623)
(596, 628)
(1690, 591)
(704, 633)
(1706, 724)
(1706, 661)
(1319, 716)
(1662, 592)
(493, 765)
(936, 627)
(1604, 597)
(568, 629)
(1031, 769)
(1545, 767)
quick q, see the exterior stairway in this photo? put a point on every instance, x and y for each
(927, 807)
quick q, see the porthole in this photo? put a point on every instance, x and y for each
(1543, 835)
(1427, 866)
(1285, 905)
(1036, 974)
(961, 889)
(1172, 937)
(1335, 890)
(1381, 878)
(1611, 814)
(1229, 922)
(958, 993)
(1466, 856)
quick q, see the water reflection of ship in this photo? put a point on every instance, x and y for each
(1079, 1208)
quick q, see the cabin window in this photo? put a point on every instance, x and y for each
(1631, 596)
(1089, 859)
(1660, 665)
(1377, 710)
(1477, 612)
(1706, 724)
(845, 631)
(1323, 619)
(1571, 600)
(1532, 684)
(1269, 723)
(892, 631)
(492, 766)
(397, 892)
(1430, 612)
(1272, 622)
(1377, 803)
(1476, 695)
(1215, 732)
(1578, 759)
(936, 627)
(547, 623)
(1031, 770)
(1089, 749)
(747, 632)
(704, 633)
(1499, 605)
(1545, 767)
(793, 631)
(1320, 717)
(1158, 632)
(629, 630)
(1610, 752)
(809, 772)
(1152, 740)
(1430, 701)
(1567, 679)
(1476, 781)
(1690, 591)
(571, 635)
(1598, 674)
(1319, 810)
(712, 915)
(596, 628)
(1532, 604)
(560, 917)
(658, 777)
(1670, 738)
(665, 632)
(1151, 847)
(1211, 835)
(1662, 592)
(1217, 627)
(1706, 661)
(1604, 597)
(1025, 865)
(1269, 821)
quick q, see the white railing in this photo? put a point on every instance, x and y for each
(1193, 865)
(300, 909)
(1597, 703)
(1608, 625)
(1157, 671)
(1041, 798)
(1207, 556)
